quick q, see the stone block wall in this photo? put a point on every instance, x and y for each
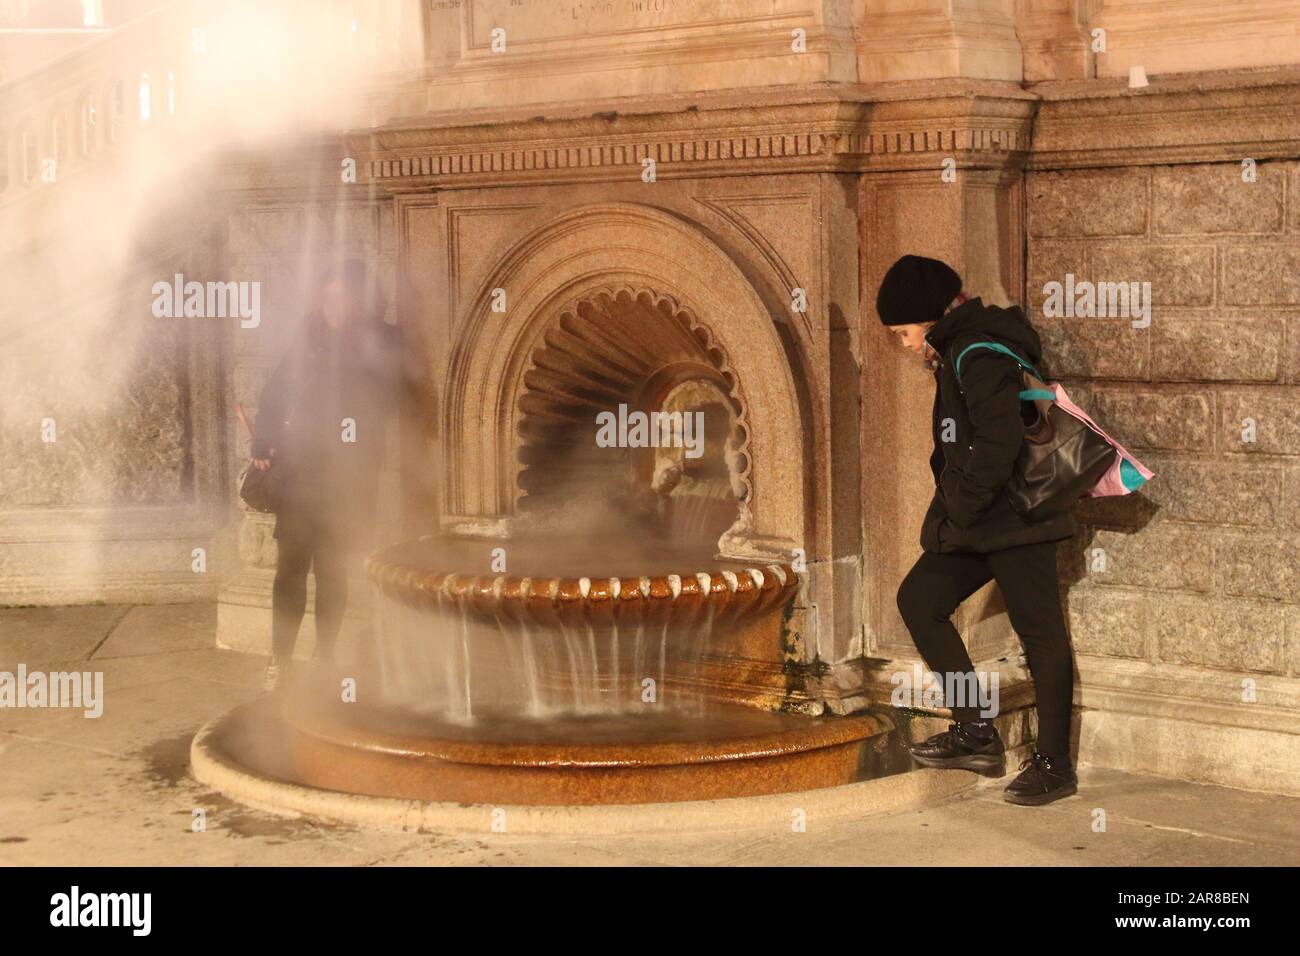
(1189, 591)
(109, 438)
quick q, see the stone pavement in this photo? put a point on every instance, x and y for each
(115, 790)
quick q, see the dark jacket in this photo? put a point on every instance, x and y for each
(970, 511)
(331, 386)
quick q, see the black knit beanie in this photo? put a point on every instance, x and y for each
(916, 289)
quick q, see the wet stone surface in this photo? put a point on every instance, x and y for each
(117, 791)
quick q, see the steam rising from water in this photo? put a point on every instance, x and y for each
(137, 191)
(191, 108)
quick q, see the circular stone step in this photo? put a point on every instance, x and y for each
(224, 756)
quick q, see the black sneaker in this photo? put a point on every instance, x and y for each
(959, 748)
(1041, 781)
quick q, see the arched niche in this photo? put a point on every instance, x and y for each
(651, 267)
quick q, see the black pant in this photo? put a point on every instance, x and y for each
(1026, 575)
(289, 595)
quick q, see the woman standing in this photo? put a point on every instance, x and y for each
(971, 533)
(321, 417)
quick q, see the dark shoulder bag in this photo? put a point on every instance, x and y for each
(260, 489)
(1061, 459)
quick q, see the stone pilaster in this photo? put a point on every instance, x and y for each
(1054, 39)
(932, 39)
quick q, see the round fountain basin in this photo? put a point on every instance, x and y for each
(552, 582)
(634, 676)
(661, 756)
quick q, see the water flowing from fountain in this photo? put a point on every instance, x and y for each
(449, 663)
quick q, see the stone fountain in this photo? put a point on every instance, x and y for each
(554, 687)
(600, 647)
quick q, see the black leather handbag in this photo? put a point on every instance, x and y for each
(1061, 459)
(260, 488)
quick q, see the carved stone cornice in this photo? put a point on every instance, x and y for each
(840, 129)
(1177, 119)
(863, 128)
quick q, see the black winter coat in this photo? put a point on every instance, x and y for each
(971, 511)
(324, 409)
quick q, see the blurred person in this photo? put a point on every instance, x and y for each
(322, 418)
(971, 533)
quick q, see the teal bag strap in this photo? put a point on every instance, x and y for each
(1026, 395)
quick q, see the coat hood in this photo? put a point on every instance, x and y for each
(973, 320)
